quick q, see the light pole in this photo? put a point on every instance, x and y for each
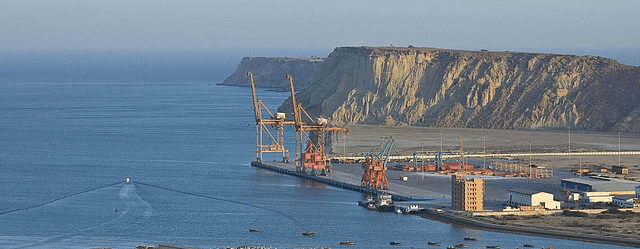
(580, 166)
(484, 151)
(422, 161)
(344, 144)
(569, 142)
(529, 158)
(619, 160)
(440, 141)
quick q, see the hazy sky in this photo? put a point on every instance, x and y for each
(162, 24)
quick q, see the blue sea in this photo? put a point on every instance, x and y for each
(74, 127)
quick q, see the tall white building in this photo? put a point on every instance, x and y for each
(525, 197)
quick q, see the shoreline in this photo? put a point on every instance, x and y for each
(464, 219)
(457, 219)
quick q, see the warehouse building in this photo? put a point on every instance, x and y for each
(524, 198)
(597, 184)
(625, 201)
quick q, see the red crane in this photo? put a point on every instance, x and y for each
(314, 154)
(375, 166)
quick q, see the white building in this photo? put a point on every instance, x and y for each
(603, 197)
(624, 201)
(593, 197)
(525, 197)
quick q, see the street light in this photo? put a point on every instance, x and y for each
(422, 160)
(569, 142)
(484, 150)
(529, 158)
(619, 161)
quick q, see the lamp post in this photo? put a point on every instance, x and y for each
(569, 142)
(619, 160)
(440, 141)
(422, 160)
(484, 151)
(344, 144)
(580, 166)
(529, 158)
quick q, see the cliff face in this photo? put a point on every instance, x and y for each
(271, 72)
(474, 89)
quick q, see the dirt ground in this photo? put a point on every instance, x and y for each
(363, 138)
(612, 223)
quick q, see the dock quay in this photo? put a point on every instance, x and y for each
(348, 176)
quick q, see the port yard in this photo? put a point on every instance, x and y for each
(534, 160)
(435, 189)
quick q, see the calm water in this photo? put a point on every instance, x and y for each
(66, 149)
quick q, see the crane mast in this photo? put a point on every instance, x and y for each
(313, 156)
(274, 142)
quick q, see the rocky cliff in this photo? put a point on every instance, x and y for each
(271, 72)
(474, 89)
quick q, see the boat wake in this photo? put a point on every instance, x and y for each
(294, 221)
(79, 215)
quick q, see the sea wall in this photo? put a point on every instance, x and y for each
(473, 89)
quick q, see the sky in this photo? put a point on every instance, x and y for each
(326, 24)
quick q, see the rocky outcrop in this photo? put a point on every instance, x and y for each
(271, 72)
(474, 89)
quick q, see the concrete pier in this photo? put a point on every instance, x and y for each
(348, 176)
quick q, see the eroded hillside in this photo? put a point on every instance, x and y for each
(474, 89)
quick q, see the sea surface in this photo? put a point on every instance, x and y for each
(185, 143)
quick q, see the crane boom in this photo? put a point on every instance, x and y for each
(256, 110)
(296, 113)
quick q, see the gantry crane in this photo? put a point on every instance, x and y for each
(314, 155)
(375, 166)
(277, 122)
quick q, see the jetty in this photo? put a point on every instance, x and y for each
(348, 176)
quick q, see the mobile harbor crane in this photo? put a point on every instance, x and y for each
(375, 165)
(312, 156)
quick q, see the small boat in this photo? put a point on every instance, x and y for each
(347, 242)
(451, 247)
(255, 230)
(433, 243)
(393, 243)
(529, 245)
(470, 238)
(498, 247)
(308, 234)
(461, 246)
